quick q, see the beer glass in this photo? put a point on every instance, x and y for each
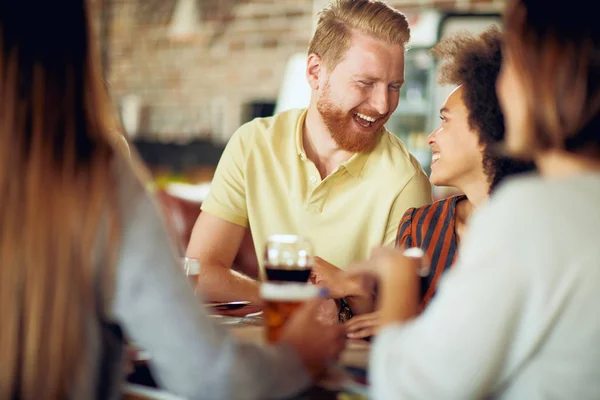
(288, 258)
(281, 300)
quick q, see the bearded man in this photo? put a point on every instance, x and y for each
(331, 173)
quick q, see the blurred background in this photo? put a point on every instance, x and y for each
(185, 74)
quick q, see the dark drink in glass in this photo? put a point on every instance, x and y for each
(277, 273)
(288, 258)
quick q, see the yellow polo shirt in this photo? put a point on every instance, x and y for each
(264, 180)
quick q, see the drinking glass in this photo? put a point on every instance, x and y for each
(280, 302)
(288, 258)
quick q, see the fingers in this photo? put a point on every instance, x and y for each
(361, 321)
(362, 333)
(368, 323)
(362, 326)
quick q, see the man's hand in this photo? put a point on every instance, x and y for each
(353, 289)
(362, 326)
(398, 273)
(327, 312)
(329, 276)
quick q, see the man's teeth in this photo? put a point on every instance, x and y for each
(366, 117)
(435, 157)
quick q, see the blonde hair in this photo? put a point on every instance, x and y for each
(338, 21)
(57, 197)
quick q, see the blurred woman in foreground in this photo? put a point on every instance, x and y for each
(83, 252)
(517, 317)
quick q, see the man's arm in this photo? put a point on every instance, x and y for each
(215, 242)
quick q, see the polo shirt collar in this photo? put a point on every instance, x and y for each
(299, 128)
(354, 165)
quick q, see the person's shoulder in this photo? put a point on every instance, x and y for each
(133, 181)
(396, 157)
(525, 190)
(393, 146)
(266, 128)
(516, 204)
(434, 208)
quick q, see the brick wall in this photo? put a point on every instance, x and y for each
(199, 87)
(238, 56)
(454, 5)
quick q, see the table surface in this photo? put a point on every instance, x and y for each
(355, 355)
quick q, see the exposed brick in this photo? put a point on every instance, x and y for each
(270, 43)
(445, 4)
(294, 14)
(260, 17)
(265, 73)
(237, 45)
(303, 44)
(240, 55)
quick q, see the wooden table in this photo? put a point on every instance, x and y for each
(356, 355)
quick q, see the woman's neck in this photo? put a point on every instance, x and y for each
(477, 193)
(561, 164)
(476, 188)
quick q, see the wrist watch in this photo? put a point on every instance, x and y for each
(345, 312)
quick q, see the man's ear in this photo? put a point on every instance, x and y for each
(314, 70)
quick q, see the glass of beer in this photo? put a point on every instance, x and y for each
(288, 258)
(281, 300)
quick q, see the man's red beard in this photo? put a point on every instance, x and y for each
(342, 129)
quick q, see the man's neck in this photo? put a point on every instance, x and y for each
(319, 146)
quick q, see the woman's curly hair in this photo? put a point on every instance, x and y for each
(474, 61)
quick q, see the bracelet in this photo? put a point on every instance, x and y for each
(345, 312)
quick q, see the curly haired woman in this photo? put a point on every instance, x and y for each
(464, 157)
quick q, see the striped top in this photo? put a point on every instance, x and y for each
(431, 228)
